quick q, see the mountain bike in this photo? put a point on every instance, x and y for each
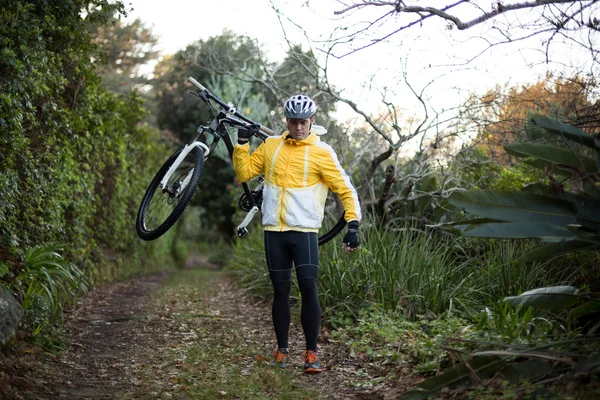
(174, 184)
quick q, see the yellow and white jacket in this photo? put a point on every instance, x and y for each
(297, 175)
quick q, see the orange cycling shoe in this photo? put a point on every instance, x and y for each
(312, 365)
(280, 359)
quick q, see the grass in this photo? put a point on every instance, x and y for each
(248, 264)
(419, 272)
(410, 269)
(221, 362)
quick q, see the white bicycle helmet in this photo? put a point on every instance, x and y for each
(299, 106)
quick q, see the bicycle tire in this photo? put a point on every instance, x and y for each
(333, 232)
(151, 233)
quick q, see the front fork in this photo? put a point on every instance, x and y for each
(184, 152)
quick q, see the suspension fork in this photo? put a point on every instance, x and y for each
(184, 152)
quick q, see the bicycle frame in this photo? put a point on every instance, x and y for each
(217, 129)
(155, 216)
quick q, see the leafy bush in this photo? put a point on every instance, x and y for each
(561, 211)
(515, 178)
(75, 158)
(388, 337)
(45, 284)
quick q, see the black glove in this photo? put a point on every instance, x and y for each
(244, 135)
(352, 239)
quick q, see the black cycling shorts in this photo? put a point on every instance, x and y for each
(282, 249)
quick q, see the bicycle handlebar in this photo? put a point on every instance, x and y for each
(208, 94)
(196, 83)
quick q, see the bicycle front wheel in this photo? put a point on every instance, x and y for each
(162, 206)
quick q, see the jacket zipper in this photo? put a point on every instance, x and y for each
(287, 167)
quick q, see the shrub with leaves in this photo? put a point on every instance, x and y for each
(533, 369)
(45, 285)
(563, 214)
(75, 158)
(389, 338)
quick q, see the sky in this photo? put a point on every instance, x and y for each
(426, 56)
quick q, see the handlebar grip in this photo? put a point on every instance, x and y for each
(267, 130)
(196, 83)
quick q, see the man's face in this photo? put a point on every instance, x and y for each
(299, 127)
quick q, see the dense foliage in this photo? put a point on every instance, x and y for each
(74, 158)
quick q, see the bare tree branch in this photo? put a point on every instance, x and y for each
(498, 9)
(555, 15)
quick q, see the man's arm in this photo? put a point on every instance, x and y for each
(336, 178)
(339, 182)
(247, 166)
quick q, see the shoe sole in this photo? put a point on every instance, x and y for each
(312, 371)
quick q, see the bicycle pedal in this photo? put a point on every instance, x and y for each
(242, 232)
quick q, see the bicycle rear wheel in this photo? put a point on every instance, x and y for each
(161, 208)
(333, 232)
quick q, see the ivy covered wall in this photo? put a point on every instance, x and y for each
(74, 158)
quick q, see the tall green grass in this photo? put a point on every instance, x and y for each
(498, 273)
(413, 271)
(410, 269)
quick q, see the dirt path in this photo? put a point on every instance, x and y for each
(187, 335)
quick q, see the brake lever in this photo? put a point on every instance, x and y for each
(201, 95)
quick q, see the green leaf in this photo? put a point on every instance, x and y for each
(3, 269)
(414, 394)
(544, 154)
(515, 206)
(588, 364)
(588, 210)
(552, 298)
(529, 369)
(473, 221)
(597, 145)
(590, 307)
(554, 249)
(483, 366)
(592, 190)
(517, 230)
(567, 131)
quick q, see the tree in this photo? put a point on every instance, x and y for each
(500, 115)
(563, 213)
(179, 114)
(74, 157)
(394, 184)
(123, 49)
(573, 21)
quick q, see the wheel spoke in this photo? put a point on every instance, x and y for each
(159, 205)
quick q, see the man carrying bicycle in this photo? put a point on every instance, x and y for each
(298, 170)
